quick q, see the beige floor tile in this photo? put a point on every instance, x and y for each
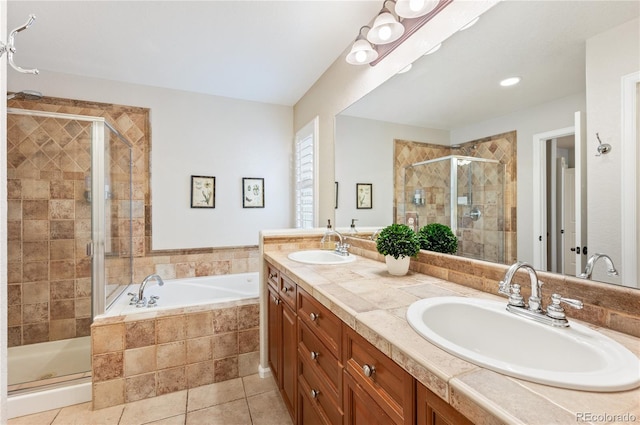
(81, 414)
(212, 394)
(42, 418)
(268, 409)
(232, 413)
(253, 384)
(153, 409)
(173, 420)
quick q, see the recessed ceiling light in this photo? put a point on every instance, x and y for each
(511, 81)
(470, 24)
(405, 69)
(434, 49)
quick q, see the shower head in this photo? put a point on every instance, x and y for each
(26, 95)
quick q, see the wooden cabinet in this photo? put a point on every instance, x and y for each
(387, 385)
(432, 410)
(330, 375)
(319, 362)
(282, 334)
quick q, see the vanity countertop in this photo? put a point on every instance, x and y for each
(374, 303)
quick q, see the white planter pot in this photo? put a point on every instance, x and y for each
(397, 267)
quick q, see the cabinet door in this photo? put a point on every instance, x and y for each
(274, 313)
(289, 370)
(432, 410)
(359, 407)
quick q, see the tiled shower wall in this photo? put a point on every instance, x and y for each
(501, 147)
(48, 271)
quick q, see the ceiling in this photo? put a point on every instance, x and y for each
(266, 51)
(543, 42)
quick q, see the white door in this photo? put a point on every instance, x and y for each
(569, 221)
(580, 193)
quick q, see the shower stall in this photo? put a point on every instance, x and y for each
(70, 242)
(465, 193)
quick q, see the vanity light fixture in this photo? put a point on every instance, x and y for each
(511, 81)
(414, 8)
(386, 27)
(469, 24)
(361, 52)
(391, 27)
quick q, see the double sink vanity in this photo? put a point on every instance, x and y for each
(349, 343)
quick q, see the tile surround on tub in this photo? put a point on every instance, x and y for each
(149, 354)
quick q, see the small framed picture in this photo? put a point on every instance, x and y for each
(363, 196)
(336, 207)
(203, 192)
(252, 192)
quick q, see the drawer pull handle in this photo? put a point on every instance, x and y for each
(314, 393)
(273, 275)
(368, 370)
(314, 316)
(276, 300)
(314, 355)
(285, 289)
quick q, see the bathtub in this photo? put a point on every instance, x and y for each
(48, 375)
(187, 292)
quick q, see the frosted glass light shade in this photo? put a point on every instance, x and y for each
(386, 29)
(414, 8)
(361, 53)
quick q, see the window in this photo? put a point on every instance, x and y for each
(306, 184)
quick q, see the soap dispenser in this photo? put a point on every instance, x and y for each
(352, 229)
(329, 239)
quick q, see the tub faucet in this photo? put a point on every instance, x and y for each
(591, 262)
(554, 315)
(141, 300)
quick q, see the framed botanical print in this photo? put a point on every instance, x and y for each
(364, 196)
(252, 192)
(203, 192)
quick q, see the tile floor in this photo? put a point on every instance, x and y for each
(242, 401)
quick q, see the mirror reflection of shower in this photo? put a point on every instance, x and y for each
(465, 193)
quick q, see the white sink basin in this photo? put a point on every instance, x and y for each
(484, 333)
(319, 256)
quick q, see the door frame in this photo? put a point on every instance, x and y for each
(540, 191)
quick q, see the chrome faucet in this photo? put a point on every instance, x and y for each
(375, 234)
(342, 248)
(554, 316)
(142, 301)
(591, 262)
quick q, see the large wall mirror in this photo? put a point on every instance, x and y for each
(577, 62)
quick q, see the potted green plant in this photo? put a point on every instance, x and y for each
(398, 243)
(438, 237)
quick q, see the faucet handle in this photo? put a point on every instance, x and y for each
(515, 297)
(504, 288)
(556, 311)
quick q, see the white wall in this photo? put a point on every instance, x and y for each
(195, 134)
(364, 154)
(610, 56)
(539, 119)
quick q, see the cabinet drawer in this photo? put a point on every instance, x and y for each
(288, 291)
(315, 389)
(325, 365)
(388, 384)
(273, 276)
(323, 323)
